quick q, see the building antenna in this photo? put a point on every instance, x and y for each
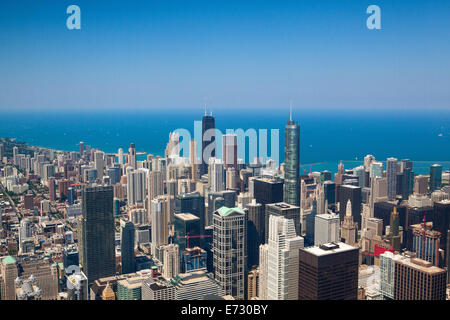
(290, 110)
(205, 106)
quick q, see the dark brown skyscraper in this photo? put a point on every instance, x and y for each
(328, 272)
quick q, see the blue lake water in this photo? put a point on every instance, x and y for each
(326, 136)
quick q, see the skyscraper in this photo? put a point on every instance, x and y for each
(136, 180)
(283, 250)
(391, 174)
(255, 231)
(416, 279)
(229, 250)
(208, 126)
(192, 203)
(394, 235)
(328, 272)
(159, 222)
(326, 228)
(99, 162)
(229, 151)
(435, 177)
(292, 163)
(349, 227)
(127, 246)
(184, 224)
(97, 254)
(216, 178)
(132, 156)
(285, 210)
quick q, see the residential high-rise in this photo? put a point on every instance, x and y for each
(229, 250)
(135, 186)
(97, 254)
(132, 156)
(99, 160)
(435, 177)
(159, 223)
(208, 142)
(328, 272)
(171, 260)
(127, 246)
(387, 274)
(292, 163)
(283, 250)
(391, 174)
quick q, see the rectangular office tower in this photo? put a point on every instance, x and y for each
(230, 250)
(328, 272)
(282, 262)
(416, 279)
(284, 210)
(97, 254)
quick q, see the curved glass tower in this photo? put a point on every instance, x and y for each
(291, 192)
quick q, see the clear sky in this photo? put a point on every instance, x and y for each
(234, 54)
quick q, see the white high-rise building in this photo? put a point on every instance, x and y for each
(263, 270)
(136, 186)
(171, 260)
(387, 273)
(120, 156)
(216, 175)
(283, 259)
(326, 228)
(155, 184)
(159, 223)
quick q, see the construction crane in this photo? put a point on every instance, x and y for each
(188, 236)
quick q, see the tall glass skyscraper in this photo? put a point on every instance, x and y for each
(127, 246)
(292, 163)
(435, 177)
(97, 254)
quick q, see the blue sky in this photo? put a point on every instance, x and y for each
(234, 54)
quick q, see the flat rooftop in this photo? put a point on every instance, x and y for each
(333, 248)
(282, 205)
(421, 265)
(186, 216)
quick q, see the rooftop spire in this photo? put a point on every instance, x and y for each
(290, 110)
